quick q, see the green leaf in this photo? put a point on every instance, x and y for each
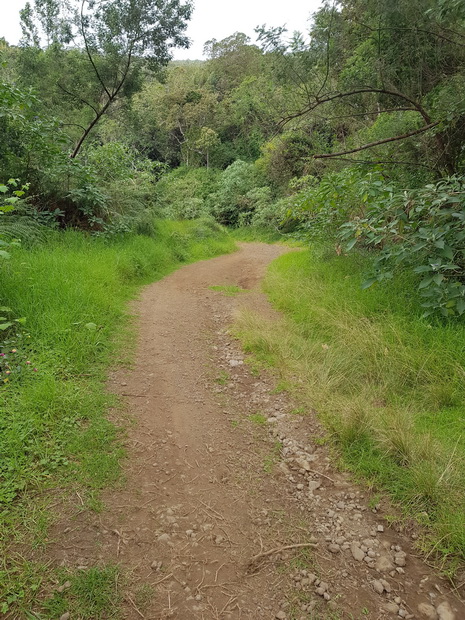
(4, 254)
(426, 282)
(447, 252)
(422, 268)
(369, 283)
(351, 244)
(4, 326)
(91, 326)
(460, 306)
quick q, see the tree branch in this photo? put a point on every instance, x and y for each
(73, 125)
(357, 91)
(89, 129)
(423, 30)
(374, 113)
(327, 52)
(111, 96)
(74, 96)
(390, 162)
(89, 55)
(378, 142)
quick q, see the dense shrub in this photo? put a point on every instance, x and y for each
(183, 193)
(240, 189)
(423, 231)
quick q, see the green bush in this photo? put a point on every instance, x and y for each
(420, 230)
(240, 189)
(183, 193)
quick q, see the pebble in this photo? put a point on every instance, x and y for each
(380, 528)
(384, 564)
(281, 615)
(65, 616)
(399, 559)
(357, 553)
(313, 485)
(378, 587)
(445, 612)
(427, 611)
(303, 464)
(334, 548)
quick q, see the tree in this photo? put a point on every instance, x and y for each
(358, 65)
(207, 140)
(230, 60)
(118, 38)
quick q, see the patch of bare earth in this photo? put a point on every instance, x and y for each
(211, 488)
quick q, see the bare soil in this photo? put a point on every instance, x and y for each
(220, 471)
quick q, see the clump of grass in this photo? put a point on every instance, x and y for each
(92, 594)
(144, 595)
(271, 459)
(265, 235)
(301, 411)
(257, 418)
(222, 378)
(387, 383)
(228, 289)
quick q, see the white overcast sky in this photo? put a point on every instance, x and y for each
(212, 19)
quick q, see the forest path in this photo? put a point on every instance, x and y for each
(219, 470)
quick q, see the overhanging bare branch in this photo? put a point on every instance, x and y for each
(358, 91)
(370, 145)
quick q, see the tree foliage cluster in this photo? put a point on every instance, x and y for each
(353, 129)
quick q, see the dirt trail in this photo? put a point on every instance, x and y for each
(209, 485)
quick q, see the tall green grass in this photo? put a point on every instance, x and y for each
(388, 384)
(254, 233)
(54, 431)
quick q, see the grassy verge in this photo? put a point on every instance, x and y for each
(54, 433)
(388, 384)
